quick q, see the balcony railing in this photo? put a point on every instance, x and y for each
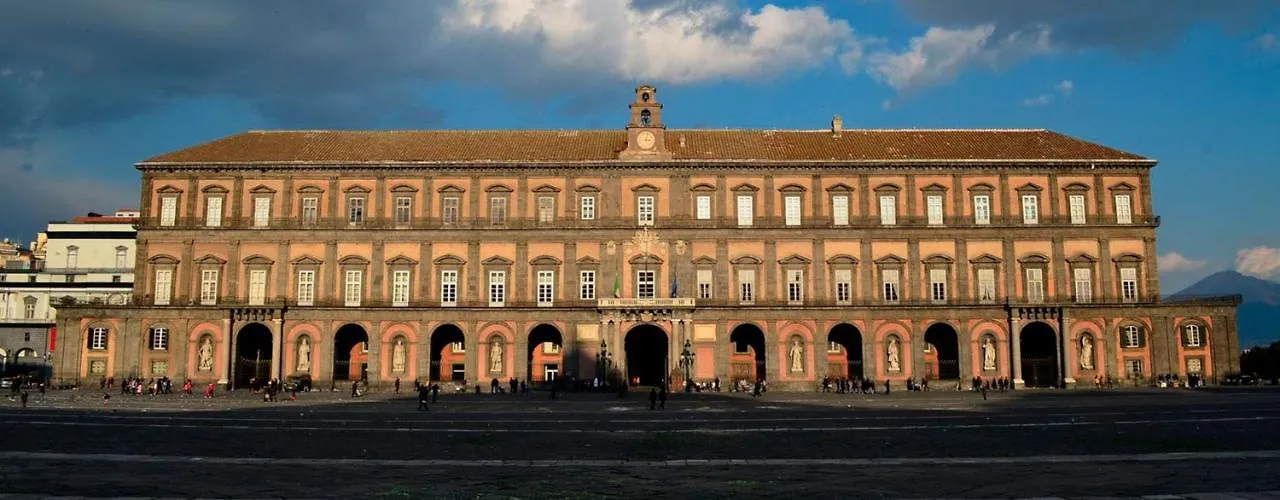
(684, 222)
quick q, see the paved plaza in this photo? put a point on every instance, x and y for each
(1216, 443)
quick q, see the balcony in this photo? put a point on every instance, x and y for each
(654, 303)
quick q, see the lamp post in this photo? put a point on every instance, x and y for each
(604, 361)
(686, 361)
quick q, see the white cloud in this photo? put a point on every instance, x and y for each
(1176, 262)
(1267, 41)
(1040, 100)
(942, 54)
(1261, 262)
(1066, 87)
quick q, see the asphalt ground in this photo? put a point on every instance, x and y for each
(1082, 443)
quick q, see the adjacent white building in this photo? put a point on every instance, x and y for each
(87, 259)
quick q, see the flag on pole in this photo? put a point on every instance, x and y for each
(617, 285)
(674, 287)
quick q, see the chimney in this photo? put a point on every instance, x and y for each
(837, 126)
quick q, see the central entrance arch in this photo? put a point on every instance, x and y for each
(748, 359)
(844, 351)
(945, 346)
(253, 354)
(646, 349)
(1039, 355)
(350, 353)
(545, 359)
(448, 354)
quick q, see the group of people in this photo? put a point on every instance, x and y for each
(20, 387)
(845, 385)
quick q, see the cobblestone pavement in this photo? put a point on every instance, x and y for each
(1116, 444)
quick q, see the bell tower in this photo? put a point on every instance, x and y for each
(645, 131)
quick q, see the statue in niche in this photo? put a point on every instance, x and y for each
(1086, 353)
(895, 361)
(398, 356)
(304, 355)
(495, 356)
(797, 356)
(206, 355)
(988, 354)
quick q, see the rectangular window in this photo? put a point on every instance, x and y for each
(1129, 284)
(703, 203)
(587, 285)
(795, 286)
(310, 210)
(890, 282)
(791, 207)
(987, 285)
(982, 210)
(168, 211)
(1133, 367)
(1131, 337)
(400, 288)
(844, 286)
(840, 210)
(587, 207)
(306, 287)
(449, 210)
(546, 288)
(29, 310)
(1193, 336)
(644, 210)
(208, 287)
(1124, 209)
(164, 286)
(1035, 285)
(646, 284)
(1030, 209)
(160, 339)
(746, 210)
(213, 211)
(1076, 204)
(497, 210)
(1083, 284)
(355, 211)
(404, 209)
(257, 287)
(73, 257)
(888, 210)
(546, 209)
(261, 211)
(1195, 365)
(98, 338)
(704, 283)
(747, 286)
(497, 288)
(448, 288)
(122, 258)
(353, 291)
(938, 285)
(933, 204)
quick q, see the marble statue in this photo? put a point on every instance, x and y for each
(797, 356)
(304, 355)
(206, 355)
(397, 356)
(1086, 353)
(495, 356)
(988, 354)
(895, 363)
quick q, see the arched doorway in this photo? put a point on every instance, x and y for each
(844, 352)
(448, 354)
(350, 353)
(1039, 355)
(545, 361)
(646, 350)
(747, 361)
(253, 354)
(942, 362)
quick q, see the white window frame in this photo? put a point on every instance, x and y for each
(400, 287)
(1131, 337)
(746, 210)
(1082, 280)
(938, 285)
(261, 211)
(355, 210)
(403, 209)
(587, 285)
(791, 209)
(448, 288)
(888, 209)
(353, 287)
(310, 209)
(98, 338)
(1030, 209)
(587, 207)
(546, 209)
(159, 338)
(747, 286)
(209, 287)
(840, 210)
(1195, 336)
(306, 287)
(982, 209)
(29, 310)
(986, 285)
(644, 210)
(843, 279)
(705, 279)
(702, 204)
(646, 284)
(795, 286)
(1198, 368)
(890, 285)
(164, 287)
(1035, 285)
(168, 210)
(257, 287)
(122, 258)
(1133, 368)
(450, 209)
(213, 211)
(1076, 206)
(933, 208)
(1129, 284)
(497, 288)
(73, 257)
(546, 288)
(1124, 209)
(497, 210)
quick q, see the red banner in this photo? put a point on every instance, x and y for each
(53, 338)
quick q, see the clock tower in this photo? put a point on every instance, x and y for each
(645, 138)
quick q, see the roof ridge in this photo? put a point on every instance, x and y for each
(580, 130)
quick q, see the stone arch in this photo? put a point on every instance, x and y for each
(447, 359)
(748, 355)
(1038, 342)
(254, 349)
(544, 353)
(844, 351)
(350, 352)
(942, 360)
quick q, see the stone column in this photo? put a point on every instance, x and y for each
(186, 275)
(1059, 270)
(964, 341)
(770, 287)
(224, 361)
(913, 281)
(376, 270)
(819, 292)
(917, 351)
(282, 269)
(277, 343)
(233, 271)
(520, 354)
(963, 291)
(375, 356)
(1015, 341)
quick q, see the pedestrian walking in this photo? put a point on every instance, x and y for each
(397, 385)
(984, 392)
(424, 392)
(25, 395)
(355, 388)
(662, 398)
(435, 392)
(653, 399)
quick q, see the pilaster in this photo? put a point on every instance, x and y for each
(286, 200)
(233, 271)
(379, 197)
(770, 199)
(237, 200)
(569, 290)
(866, 269)
(1055, 196)
(1060, 272)
(963, 290)
(473, 276)
(193, 197)
(724, 271)
(282, 269)
(335, 194)
(186, 276)
(911, 195)
(1151, 273)
(819, 279)
(1011, 277)
(522, 272)
(521, 210)
(915, 268)
(376, 269)
(864, 197)
(1006, 205)
(1105, 266)
(770, 270)
(328, 287)
(425, 268)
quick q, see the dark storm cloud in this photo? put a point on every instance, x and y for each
(1127, 25)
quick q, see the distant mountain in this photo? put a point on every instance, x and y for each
(1258, 318)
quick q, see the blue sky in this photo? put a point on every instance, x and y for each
(1194, 84)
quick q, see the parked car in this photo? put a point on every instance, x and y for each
(1239, 379)
(300, 383)
(6, 382)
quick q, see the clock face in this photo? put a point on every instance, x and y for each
(645, 140)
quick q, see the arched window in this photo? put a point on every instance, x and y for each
(646, 117)
(1131, 337)
(98, 338)
(159, 338)
(1192, 335)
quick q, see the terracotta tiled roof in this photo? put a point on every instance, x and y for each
(499, 146)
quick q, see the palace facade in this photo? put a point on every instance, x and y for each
(651, 253)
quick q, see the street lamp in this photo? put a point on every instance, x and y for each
(604, 361)
(686, 361)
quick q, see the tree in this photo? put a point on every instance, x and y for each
(1262, 361)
